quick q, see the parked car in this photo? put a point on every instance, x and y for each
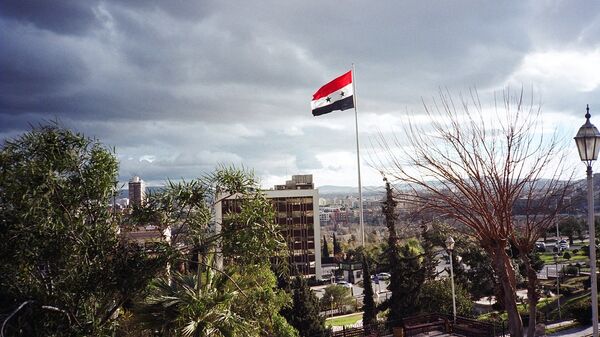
(540, 247)
(344, 284)
(384, 276)
(563, 244)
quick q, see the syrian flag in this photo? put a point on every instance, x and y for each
(335, 95)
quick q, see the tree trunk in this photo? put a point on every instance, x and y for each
(506, 276)
(532, 297)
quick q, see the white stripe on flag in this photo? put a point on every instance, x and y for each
(334, 97)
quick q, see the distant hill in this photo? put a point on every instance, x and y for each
(330, 189)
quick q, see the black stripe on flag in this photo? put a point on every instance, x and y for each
(342, 104)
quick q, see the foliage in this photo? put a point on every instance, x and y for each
(407, 279)
(581, 311)
(436, 297)
(369, 309)
(60, 253)
(337, 297)
(572, 227)
(325, 254)
(337, 248)
(217, 304)
(304, 312)
(481, 277)
(233, 289)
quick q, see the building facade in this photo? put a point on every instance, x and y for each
(137, 191)
(296, 206)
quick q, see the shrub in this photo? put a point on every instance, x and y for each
(567, 255)
(581, 311)
(575, 251)
(570, 270)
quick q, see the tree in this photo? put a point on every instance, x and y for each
(337, 297)
(405, 266)
(392, 255)
(337, 248)
(369, 309)
(230, 263)
(437, 298)
(325, 255)
(64, 269)
(304, 312)
(474, 166)
(570, 227)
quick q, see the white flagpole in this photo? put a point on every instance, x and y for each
(360, 202)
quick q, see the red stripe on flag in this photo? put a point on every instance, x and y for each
(333, 86)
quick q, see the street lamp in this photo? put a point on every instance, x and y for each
(588, 145)
(557, 283)
(450, 247)
(331, 302)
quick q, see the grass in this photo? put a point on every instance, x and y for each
(548, 258)
(344, 321)
(562, 327)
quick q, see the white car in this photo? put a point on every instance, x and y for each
(344, 284)
(384, 276)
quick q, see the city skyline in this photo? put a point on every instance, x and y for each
(180, 88)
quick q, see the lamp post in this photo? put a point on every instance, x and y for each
(557, 283)
(331, 301)
(450, 247)
(588, 145)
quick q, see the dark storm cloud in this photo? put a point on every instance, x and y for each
(62, 17)
(34, 67)
(179, 86)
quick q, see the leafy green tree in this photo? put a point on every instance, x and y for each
(571, 227)
(481, 279)
(304, 312)
(436, 297)
(369, 308)
(64, 270)
(216, 305)
(337, 297)
(229, 261)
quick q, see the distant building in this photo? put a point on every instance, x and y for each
(137, 191)
(296, 206)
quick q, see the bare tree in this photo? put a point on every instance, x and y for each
(540, 203)
(472, 165)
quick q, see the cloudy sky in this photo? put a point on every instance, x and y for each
(178, 87)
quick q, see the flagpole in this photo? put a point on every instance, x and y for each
(360, 201)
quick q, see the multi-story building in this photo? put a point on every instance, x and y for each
(137, 191)
(296, 206)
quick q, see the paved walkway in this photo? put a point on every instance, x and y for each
(574, 332)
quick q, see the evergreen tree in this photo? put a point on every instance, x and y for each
(392, 256)
(304, 313)
(325, 256)
(337, 248)
(407, 271)
(369, 309)
(412, 275)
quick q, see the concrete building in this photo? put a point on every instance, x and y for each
(296, 205)
(137, 191)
